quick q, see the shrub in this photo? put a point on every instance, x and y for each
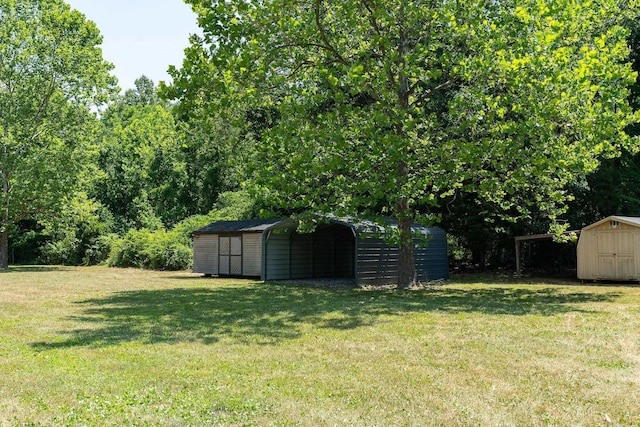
(75, 234)
(129, 251)
(158, 250)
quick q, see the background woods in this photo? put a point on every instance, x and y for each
(493, 119)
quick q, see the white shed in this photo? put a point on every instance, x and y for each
(610, 250)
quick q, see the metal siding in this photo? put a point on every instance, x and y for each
(301, 248)
(252, 254)
(205, 254)
(278, 257)
(378, 262)
(432, 261)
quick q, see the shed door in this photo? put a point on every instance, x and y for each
(230, 255)
(616, 255)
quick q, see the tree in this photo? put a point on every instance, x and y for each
(388, 107)
(217, 137)
(51, 72)
(143, 165)
(614, 188)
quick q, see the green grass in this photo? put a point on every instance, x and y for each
(98, 346)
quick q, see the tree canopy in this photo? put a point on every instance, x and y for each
(51, 74)
(387, 107)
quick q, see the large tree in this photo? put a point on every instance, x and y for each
(387, 107)
(143, 163)
(51, 74)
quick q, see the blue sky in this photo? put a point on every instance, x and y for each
(141, 36)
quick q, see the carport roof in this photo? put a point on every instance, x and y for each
(261, 225)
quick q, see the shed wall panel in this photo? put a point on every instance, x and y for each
(252, 254)
(301, 256)
(278, 257)
(432, 261)
(205, 254)
(378, 262)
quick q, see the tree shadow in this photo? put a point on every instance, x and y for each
(268, 314)
(33, 268)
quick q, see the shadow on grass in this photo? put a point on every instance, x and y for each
(267, 314)
(33, 268)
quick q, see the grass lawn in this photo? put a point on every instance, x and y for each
(99, 346)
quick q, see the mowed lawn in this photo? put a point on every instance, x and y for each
(99, 346)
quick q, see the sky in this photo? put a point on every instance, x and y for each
(141, 36)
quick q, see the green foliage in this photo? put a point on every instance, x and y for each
(159, 250)
(143, 167)
(77, 233)
(233, 205)
(51, 73)
(392, 107)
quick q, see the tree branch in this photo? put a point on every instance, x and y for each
(324, 37)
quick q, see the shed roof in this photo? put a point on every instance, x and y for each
(248, 225)
(631, 220)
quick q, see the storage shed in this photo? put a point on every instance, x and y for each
(610, 250)
(337, 248)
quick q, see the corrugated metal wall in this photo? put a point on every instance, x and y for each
(205, 254)
(252, 254)
(326, 253)
(432, 261)
(236, 255)
(277, 257)
(301, 255)
(330, 252)
(378, 261)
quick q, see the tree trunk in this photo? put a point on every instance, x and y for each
(4, 248)
(4, 211)
(407, 276)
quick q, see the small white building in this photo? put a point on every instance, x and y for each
(610, 250)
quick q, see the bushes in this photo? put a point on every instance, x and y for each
(157, 250)
(83, 233)
(80, 233)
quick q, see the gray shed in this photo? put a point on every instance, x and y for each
(338, 248)
(610, 249)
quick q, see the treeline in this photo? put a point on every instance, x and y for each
(154, 179)
(158, 176)
(489, 119)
